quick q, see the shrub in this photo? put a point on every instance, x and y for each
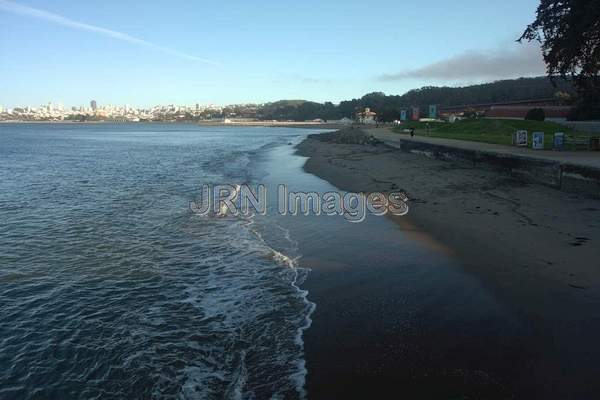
(536, 114)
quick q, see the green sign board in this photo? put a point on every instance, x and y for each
(433, 111)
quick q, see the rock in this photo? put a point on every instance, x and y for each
(346, 136)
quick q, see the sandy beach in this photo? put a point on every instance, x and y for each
(532, 247)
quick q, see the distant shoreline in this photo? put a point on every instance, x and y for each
(82, 122)
(277, 124)
(263, 124)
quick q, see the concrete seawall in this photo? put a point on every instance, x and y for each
(563, 176)
(590, 127)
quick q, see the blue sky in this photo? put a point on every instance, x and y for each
(182, 52)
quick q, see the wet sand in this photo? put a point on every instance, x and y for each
(531, 334)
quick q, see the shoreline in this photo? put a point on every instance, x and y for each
(260, 124)
(531, 247)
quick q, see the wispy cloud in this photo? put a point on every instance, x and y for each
(512, 61)
(16, 8)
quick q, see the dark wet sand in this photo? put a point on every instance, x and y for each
(385, 323)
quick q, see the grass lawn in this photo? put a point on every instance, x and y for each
(498, 131)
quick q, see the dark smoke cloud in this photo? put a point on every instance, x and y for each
(512, 62)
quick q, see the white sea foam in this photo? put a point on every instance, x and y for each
(300, 274)
(224, 308)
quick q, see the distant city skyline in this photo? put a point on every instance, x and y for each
(96, 105)
(123, 113)
(253, 52)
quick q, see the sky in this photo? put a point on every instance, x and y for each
(143, 53)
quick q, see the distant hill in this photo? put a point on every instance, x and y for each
(297, 110)
(494, 92)
(389, 106)
(286, 103)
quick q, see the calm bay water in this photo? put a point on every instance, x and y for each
(111, 288)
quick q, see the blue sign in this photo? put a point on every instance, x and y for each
(537, 140)
(403, 115)
(559, 141)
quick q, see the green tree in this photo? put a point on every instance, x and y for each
(569, 32)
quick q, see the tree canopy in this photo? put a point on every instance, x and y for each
(569, 33)
(388, 107)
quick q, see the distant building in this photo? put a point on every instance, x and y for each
(93, 105)
(558, 113)
(366, 117)
(514, 109)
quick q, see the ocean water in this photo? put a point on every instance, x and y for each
(111, 288)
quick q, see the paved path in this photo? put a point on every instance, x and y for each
(585, 158)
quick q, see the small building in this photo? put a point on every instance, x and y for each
(553, 108)
(366, 117)
(557, 113)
